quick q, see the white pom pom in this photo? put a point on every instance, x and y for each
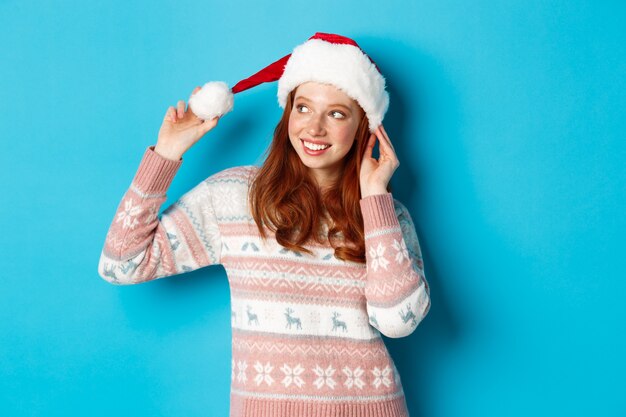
(214, 99)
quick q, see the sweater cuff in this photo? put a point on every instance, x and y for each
(155, 173)
(378, 211)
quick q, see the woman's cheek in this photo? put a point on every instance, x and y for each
(345, 133)
(294, 121)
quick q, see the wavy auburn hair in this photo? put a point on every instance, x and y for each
(285, 198)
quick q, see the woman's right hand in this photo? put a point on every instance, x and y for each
(181, 129)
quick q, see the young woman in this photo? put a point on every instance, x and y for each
(321, 259)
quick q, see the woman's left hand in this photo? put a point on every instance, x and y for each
(375, 175)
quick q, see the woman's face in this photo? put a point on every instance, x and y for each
(323, 114)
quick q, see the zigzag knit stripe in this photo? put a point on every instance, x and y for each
(243, 227)
(248, 343)
(342, 300)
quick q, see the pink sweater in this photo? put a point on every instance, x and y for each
(306, 329)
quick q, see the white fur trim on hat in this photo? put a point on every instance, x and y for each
(342, 65)
(214, 99)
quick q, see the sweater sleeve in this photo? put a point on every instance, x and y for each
(142, 245)
(396, 291)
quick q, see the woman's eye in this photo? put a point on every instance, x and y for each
(299, 107)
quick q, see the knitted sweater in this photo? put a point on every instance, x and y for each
(306, 329)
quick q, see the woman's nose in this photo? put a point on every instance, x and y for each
(316, 126)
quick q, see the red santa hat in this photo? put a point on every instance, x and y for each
(325, 58)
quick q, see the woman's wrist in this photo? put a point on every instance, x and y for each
(373, 191)
(168, 152)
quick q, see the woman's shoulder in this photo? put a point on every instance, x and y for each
(228, 190)
(241, 174)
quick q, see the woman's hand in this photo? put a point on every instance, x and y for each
(375, 175)
(180, 130)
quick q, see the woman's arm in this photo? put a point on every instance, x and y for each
(141, 245)
(397, 293)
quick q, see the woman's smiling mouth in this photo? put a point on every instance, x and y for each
(314, 149)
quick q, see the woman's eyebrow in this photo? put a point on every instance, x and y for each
(335, 104)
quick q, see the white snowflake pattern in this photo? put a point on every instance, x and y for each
(263, 373)
(232, 370)
(377, 257)
(324, 376)
(354, 377)
(241, 375)
(403, 253)
(292, 375)
(382, 377)
(128, 215)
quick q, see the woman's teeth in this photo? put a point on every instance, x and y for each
(315, 147)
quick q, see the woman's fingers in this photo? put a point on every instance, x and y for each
(386, 148)
(181, 109)
(384, 140)
(382, 129)
(209, 124)
(370, 146)
(169, 114)
(178, 112)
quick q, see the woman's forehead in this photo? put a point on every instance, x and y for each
(323, 93)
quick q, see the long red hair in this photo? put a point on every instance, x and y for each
(284, 197)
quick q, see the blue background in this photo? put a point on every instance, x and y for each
(508, 119)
